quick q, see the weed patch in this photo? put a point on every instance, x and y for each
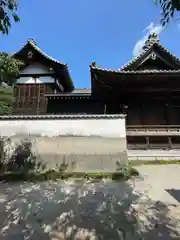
(56, 175)
(153, 162)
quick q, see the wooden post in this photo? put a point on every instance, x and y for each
(169, 143)
(38, 100)
(141, 113)
(55, 90)
(124, 109)
(147, 143)
(167, 114)
(104, 108)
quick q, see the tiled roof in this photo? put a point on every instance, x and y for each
(61, 117)
(146, 71)
(82, 90)
(76, 92)
(148, 49)
(34, 45)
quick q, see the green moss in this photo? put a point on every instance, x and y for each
(55, 175)
(153, 162)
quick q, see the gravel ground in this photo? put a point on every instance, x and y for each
(146, 207)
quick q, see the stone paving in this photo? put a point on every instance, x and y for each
(146, 207)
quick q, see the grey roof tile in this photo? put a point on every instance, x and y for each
(125, 67)
(86, 92)
(82, 90)
(62, 117)
(34, 45)
(146, 71)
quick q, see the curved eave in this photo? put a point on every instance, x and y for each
(69, 82)
(68, 97)
(108, 82)
(36, 48)
(132, 72)
(145, 53)
(70, 86)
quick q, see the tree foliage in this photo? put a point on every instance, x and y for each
(9, 68)
(168, 7)
(8, 10)
(6, 100)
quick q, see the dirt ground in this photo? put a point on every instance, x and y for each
(146, 207)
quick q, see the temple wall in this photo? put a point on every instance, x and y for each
(39, 80)
(35, 68)
(84, 143)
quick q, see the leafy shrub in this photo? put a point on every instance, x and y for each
(22, 158)
(6, 100)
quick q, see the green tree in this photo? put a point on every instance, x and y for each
(168, 7)
(9, 67)
(6, 100)
(9, 70)
(8, 10)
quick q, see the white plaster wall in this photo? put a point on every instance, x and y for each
(35, 69)
(107, 127)
(40, 80)
(83, 144)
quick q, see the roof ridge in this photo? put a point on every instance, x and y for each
(36, 47)
(82, 88)
(135, 71)
(136, 58)
(167, 51)
(104, 69)
(149, 47)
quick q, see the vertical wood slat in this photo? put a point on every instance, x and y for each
(30, 99)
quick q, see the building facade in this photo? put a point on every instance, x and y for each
(147, 90)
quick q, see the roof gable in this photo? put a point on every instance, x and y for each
(154, 56)
(35, 69)
(30, 53)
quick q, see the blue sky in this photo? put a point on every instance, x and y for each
(79, 32)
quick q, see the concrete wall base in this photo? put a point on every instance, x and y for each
(84, 143)
(78, 154)
(153, 155)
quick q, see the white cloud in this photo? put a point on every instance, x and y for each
(151, 28)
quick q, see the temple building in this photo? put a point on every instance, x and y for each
(147, 90)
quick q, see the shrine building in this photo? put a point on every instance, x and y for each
(147, 90)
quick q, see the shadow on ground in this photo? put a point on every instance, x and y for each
(81, 210)
(175, 193)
